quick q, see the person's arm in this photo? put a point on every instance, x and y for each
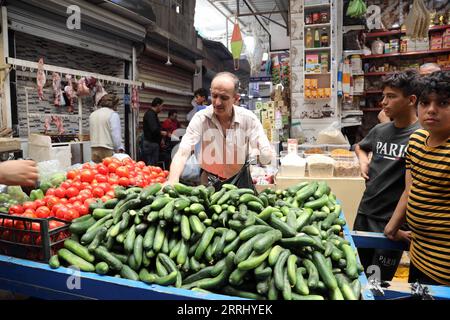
(187, 144)
(19, 172)
(363, 157)
(116, 133)
(392, 229)
(362, 150)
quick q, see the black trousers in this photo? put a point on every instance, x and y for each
(150, 153)
(386, 260)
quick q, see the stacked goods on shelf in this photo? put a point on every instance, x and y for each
(282, 244)
(274, 116)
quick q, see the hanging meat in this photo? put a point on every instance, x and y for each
(418, 20)
(100, 92)
(134, 97)
(46, 125)
(56, 89)
(41, 79)
(82, 89)
(59, 124)
(70, 93)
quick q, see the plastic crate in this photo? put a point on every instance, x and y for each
(31, 238)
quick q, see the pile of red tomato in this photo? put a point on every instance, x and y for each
(88, 184)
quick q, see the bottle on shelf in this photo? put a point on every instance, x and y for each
(316, 38)
(324, 38)
(309, 41)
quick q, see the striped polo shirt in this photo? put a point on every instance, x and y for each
(428, 209)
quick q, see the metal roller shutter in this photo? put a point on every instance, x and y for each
(155, 71)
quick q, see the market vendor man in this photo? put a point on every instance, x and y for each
(227, 134)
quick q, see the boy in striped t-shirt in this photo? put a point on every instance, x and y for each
(427, 192)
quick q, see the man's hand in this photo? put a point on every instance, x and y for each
(364, 169)
(19, 172)
(397, 235)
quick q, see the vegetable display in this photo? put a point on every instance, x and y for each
(282, 244)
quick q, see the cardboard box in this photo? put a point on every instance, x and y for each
(436, 41)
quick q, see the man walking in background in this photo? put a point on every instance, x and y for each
(105, 129)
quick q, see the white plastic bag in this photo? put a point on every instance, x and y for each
(332, 135)
(191, 170)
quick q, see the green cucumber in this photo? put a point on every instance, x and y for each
(79, 250)
(75, 260)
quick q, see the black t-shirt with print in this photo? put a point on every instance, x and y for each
(386, 170)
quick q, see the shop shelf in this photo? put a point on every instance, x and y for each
(318, 25)
(377, 34)
(317, 6)
(317, 49)
(400, 54)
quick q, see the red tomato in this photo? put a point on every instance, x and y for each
(72, 200)
(56, 207)
(110, 194)
(16, 209)
(102, 169)
(124, 181)
(52, 201)
(50, 192)
(78, 185)
(98, 192)
(113, 167)
(101, 178)
(86, 165)
(64, 200)
(140, 164)
(166, 173)
(43, 212)
(71, 214)
(113, 180)
(29, 215)
(39, 203)
(26, 239)
(132, 181)
(105, 186)
(61, 212)
(60, 192)
(52, 224)
(86, 193)
(123, 171)
(35, 226)
(160, 179)
(157, 169)
(84, 185)
(72, 192)
(71, 174)
(105, 198)
(86, 175)
(66, 184)
(83, 210)
(107, 161)
(29, 205)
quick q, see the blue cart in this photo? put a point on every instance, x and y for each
(395, 290)
(38, 280)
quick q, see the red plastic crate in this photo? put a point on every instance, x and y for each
(31, 238)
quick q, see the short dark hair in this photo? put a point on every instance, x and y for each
(405, 81)
(437, 82)
(157, 102)
(172, 112)
(202, 92)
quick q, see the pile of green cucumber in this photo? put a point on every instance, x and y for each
(279, 244)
